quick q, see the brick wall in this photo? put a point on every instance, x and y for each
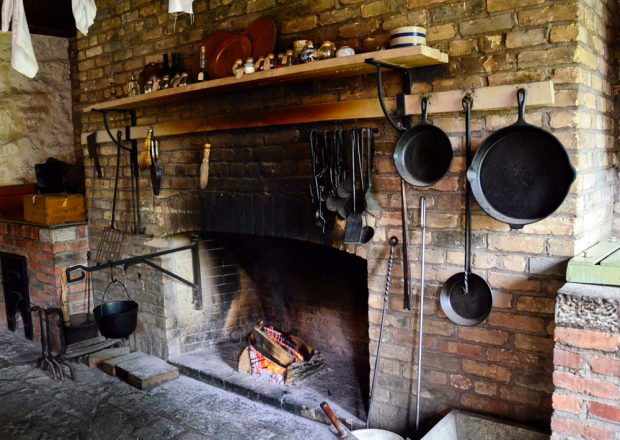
(48, 253)
(586, 364)
(502, 367)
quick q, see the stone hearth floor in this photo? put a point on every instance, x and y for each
(100, 407)
(335, 383)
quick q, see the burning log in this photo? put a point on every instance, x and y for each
(277, 357)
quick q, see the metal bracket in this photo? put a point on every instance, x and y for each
(145, 259)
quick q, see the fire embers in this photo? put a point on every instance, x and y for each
(278, 357)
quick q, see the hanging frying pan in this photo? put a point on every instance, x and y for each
(423, 153)
(466, 298)
(521, 173)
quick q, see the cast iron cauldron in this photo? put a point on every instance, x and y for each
(116, 319)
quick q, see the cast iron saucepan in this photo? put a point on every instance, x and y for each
(466, 298)
(521, 173)
(423, 153)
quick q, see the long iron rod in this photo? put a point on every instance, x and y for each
(125, 262)
(386, 295)
(421, 329)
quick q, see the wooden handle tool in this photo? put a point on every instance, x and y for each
(343, 432)
(144, 158)
(204, 167)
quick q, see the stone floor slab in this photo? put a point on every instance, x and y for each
(100, 407)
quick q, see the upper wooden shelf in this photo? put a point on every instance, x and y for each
(415, 56)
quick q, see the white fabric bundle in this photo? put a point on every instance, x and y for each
(22, 53)
(84, 12)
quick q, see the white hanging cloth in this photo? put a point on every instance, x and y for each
(22, 53)
(84, 12)
(176, 7)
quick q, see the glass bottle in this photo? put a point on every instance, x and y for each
(133, 87)
(203, 75)
(176, 66)
(165, 66)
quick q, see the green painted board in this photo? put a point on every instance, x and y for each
(599, 264)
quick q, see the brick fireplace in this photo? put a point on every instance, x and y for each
(503, 367)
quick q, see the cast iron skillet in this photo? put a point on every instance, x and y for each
(466, 298)
(521, 173)
(423, 153)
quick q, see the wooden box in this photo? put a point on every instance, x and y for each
(54, 209)
(12, 200)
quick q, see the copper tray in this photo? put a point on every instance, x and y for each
(227, 52)
(211, 42)
(262, 33)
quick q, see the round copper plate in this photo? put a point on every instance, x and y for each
(262, 33)
(211, 42)
(227, 52)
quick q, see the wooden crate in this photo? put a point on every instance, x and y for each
(54, 209)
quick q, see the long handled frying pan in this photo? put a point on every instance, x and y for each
(521, 173)
(466, 298)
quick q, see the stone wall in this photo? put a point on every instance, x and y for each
(586, 363)
(502, 367)
(35, 114)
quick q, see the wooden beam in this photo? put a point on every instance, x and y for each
(485, 98)
(337, 111)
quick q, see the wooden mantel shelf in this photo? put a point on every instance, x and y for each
(415, 56)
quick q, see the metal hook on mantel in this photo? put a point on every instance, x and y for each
(133, 155)
(119, 134)
(132, 261)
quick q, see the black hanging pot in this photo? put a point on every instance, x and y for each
(423, 153)
(521, 173)
(116, 319)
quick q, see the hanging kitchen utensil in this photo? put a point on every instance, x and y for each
(93, 153)
(367, 231)
(421, 309)
(144, 158)
(156, 170)
(204, 167)
(116, 319)
(371, 203)
(423, 153)
(404, 214)
(353, 229)
(521, 173)
(466, 298)
(111, 238)
(386, 295)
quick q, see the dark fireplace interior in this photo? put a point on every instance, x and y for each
(316, 293)
(16, 293)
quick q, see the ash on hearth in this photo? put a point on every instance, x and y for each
(275, 356)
